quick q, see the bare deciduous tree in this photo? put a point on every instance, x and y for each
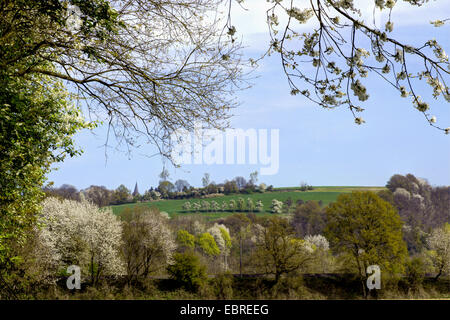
(144, 67)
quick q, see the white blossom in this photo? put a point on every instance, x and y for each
(399, 55)
(379, 4)
(80, 232)
(276, 206)
(318, 241)
(359, 90)
(301, 16)
(403, 92)
(218, 231)
(359, 120)
(390, 3)
(437, 23)
(198, 227)
(439, 243)
(401, 192)
(389, 26)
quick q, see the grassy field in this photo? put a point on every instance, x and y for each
(326, 194)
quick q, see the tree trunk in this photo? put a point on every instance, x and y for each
(240, 256)
(364, 287)
(438, 275)
(92, 269)
(277, 277)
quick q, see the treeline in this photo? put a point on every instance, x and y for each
(421, 206)
(357, 230)
(180, 189)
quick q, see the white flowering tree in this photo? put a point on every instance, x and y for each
(241, 204)
(224, 206)
(187, 206)
(222, 237)
(206, 206)
(439, 244)
(82, 234)
(262, 187)
(148, 243)
(196, 206)
(232, 205)
(277, 206)
(215, 206)
(155, 195)
(259, 206)
(198, 227)
(250, 205)
(329, 47)
(322, 252)
(318, 241)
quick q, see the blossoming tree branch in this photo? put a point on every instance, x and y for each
(329, 64)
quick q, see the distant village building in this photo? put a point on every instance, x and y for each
(136, 190)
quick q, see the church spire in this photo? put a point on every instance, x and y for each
(136, 190)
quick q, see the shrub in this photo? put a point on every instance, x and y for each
(148, 242)
(187, 271)
(415, 272)
(223, 286)
(185, 239)
(196, 206)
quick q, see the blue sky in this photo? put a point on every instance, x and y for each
(320, 147)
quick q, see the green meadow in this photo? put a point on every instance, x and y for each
(324, 193)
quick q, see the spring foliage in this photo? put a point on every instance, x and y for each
(78, 233)
(368, 228)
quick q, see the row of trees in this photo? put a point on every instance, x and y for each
(181, 189)
(421, 206)
(239, 205)
(249, 205)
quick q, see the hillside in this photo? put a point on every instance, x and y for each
(326, 194)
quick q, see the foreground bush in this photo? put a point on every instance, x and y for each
(187, 271)
(79, 233)
(148, 242)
